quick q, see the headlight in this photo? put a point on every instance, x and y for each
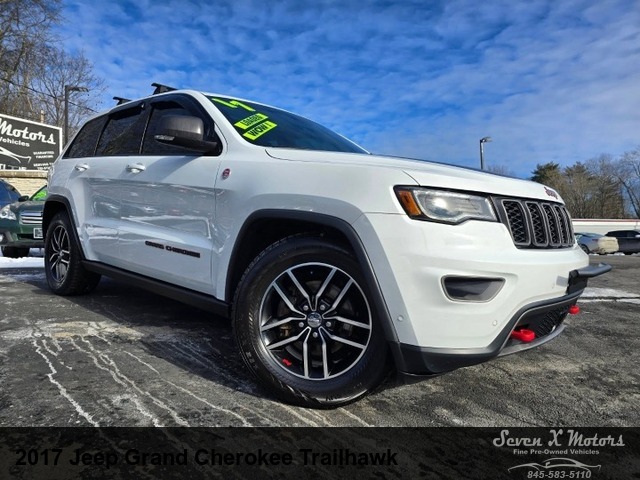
(6, 213)
(444, 206)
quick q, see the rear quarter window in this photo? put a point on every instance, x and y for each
(84, 145)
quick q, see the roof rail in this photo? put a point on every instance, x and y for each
(121, 100)
(161, 88)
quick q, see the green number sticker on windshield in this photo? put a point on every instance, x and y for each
(259, 130)
(250, 121)
(233, 104)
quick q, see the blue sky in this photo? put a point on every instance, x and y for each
(555, 80)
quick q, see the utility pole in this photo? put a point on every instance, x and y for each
(67, 90)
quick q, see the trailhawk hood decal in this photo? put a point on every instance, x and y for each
(429, 174)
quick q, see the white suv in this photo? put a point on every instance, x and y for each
(334, 264)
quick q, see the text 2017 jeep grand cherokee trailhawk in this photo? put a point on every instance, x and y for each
(334, 264)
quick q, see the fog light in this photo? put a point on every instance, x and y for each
(574, 309)
(472, 289)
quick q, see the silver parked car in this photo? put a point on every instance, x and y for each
(596, 243)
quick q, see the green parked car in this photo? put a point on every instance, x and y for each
(21, 225)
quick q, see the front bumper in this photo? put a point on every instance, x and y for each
(544, 318)
(21, 236)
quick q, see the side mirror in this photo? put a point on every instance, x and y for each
(184, 131)
(23, 198)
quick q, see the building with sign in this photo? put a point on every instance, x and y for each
(27, 145)
(27, 150)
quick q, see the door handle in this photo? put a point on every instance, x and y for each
(81, 167)
(137, 168)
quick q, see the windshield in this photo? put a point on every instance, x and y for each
(8, 194)
(271, 127)
(40, 195)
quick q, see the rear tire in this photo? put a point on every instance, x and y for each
(15, 252)
(63, 260)
(305, 325)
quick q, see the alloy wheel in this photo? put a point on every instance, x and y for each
(315, 321)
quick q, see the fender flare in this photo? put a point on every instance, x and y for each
(356, 245)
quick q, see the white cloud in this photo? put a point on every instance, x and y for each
(549, 81)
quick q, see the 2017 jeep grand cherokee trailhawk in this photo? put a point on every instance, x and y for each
(334, 264)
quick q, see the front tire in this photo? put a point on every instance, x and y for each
(63, 260)
(305, 324)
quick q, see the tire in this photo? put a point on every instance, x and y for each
(63, 260)
(15, 252)
(584, 249)
(300, 294)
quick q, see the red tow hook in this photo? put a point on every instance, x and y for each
(524, 335)
(574, 310)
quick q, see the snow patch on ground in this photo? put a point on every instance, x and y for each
(592, 292)
(34, 260)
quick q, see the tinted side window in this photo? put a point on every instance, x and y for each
(84, 145)
(123, 133)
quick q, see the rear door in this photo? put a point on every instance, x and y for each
(167, 204)
(96, 160)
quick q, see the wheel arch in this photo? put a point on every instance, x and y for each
(264, 227)
(53, 205)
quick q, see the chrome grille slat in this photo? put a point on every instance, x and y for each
(31, 218)
(536, 223)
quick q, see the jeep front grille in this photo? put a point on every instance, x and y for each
(536, 224)
(31, 218)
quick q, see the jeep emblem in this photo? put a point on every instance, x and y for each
(551, 193)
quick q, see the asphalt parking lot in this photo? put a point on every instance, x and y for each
(125, 357)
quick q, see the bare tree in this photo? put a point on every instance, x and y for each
(607, 200)
(34, 68)
(577, 190)
(628, 172)
(62, 69)
(25, 30)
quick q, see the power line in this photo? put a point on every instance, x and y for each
(46, 94)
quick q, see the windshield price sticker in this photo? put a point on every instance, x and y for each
(257, 123)
(259, 130)
(250, 121)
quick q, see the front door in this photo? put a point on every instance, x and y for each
(167, 222)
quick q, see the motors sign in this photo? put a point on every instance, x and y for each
(27, 145)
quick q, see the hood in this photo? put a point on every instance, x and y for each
(429, 174)
(28, 206)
